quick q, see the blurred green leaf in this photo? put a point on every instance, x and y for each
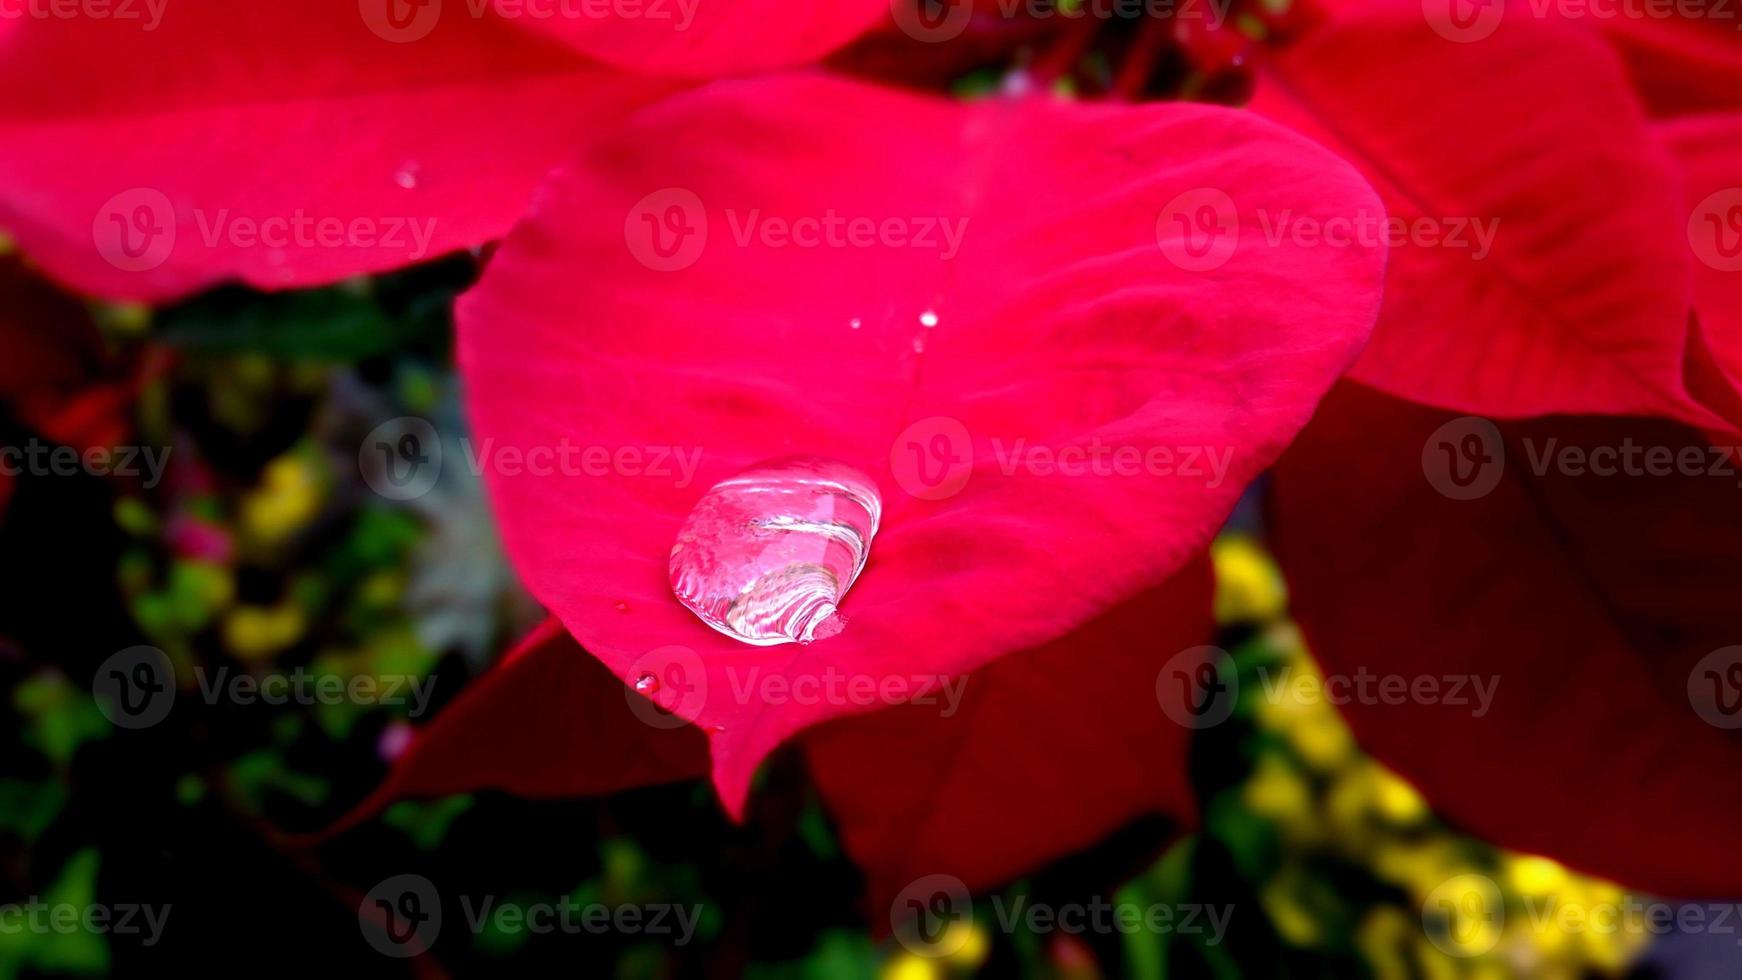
(335, 324)
(62, 717)
(426, 823)
(27, 808)
(51, 951)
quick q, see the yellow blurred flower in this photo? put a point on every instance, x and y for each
(1248, 585)
(262, 632)
(1322, 740)
(1382, 938)
(1396, 800)
(289, 496)
(1276, 791)
(1288, 911)
(908, 966)
(975, 944)
(123, 319)
(1532, 875)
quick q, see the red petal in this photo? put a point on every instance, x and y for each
(51, 344)
(1710, 151)
(706, 38)
(1060, 322)
(547, 721)
(1681, 65)
(1583, 304)
(56, 376)
(1047, 751)
(1591, 600)
(277, 141)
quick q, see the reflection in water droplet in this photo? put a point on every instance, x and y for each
(767, 555)
(928, 319)
(647, 683)
(855, 323)
(407, 175)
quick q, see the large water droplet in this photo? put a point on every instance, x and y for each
(766, 556)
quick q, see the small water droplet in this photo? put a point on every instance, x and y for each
(647, 684)
(919, 344)
(716, 729)
(928, 319)
(855, 323)
(407, 175)
(766, 556)
(622, 607)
